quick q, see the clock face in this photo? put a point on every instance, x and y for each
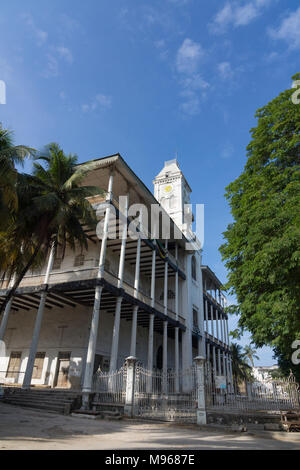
(168, 188)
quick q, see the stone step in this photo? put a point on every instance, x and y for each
(37, 400)
(56, 400)
(40, 406)
(50, 396)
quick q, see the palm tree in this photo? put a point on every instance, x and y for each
(10, 155)
(250, 354)
(241, 370)
(52, 207)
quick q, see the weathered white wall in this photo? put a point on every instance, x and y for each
(67, 330)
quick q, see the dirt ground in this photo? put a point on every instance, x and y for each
(22, 428)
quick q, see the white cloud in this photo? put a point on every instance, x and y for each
(162, 48)
(188, 56)
(51, 69)
(192, 84)
(40, 35)
(289, 30)
(56, 55)
(100, 101)
(235, 14)
(225, 70)
(65, 54)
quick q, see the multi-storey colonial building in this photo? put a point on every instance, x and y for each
(145, 295)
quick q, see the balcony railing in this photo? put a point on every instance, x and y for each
(91, 273)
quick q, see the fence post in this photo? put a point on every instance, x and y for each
(130, 386)
(201, 411)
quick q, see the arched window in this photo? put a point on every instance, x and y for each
(194, 266)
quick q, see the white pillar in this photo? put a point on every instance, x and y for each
(214, 360)
(123, 246)
(219, 361)
(116, 328)
(227, 332)
(201, 411)
(176, 329)
(222, 329)
(130, 385)
(138, 258)
(217, 324)
(166, 283)
(105, 228)
(165, 358)
(133, 331)
(136, 291)
(206, 315)
(90, 358)
(6, 312)
(115, 337)
(150, 352)
(224, 364)
(150, 342)
(153, 278)
(38, 322)
(176, 359)
(212, 320)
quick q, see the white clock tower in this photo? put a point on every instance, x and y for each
(173, 192)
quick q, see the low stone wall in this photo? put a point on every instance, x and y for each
(229, 418)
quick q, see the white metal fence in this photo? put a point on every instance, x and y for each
(271, 395)
(110, 387)
(166, 396)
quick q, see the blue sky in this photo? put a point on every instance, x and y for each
(148, 79)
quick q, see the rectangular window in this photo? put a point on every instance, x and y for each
(38, 365)
(14, 364)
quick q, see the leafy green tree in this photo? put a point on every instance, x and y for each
(261, 249)
(10, 155)
(52, 206)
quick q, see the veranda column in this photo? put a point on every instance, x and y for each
(227, 332)
(230, 374)
(165, 358)
(221, 327)
(214, 360)
(176, 329)
(217, 324)
(166, 282)
(6, 312)
(201, 411)
(136, 290)
(90, 359)
(212, 320)
(116, 329)
(38, 322)
(219, 361)
(206, 315)
(151, 319)
(224, 365)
